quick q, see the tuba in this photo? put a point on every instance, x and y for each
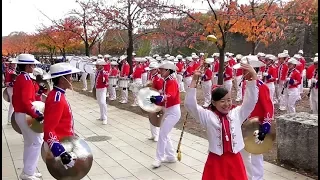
(83, 162)
(154, 111)
(251, 125)
(32, 123)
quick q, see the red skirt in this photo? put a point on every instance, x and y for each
(228, 166)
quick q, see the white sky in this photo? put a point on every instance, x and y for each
(22, 15)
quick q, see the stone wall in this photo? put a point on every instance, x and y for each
(297, 140)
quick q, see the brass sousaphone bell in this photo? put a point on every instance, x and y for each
(154, 111)
(248, 128)
(32, 123)
(83, 162)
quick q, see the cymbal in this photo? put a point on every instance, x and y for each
(251, 146)
(32, 122)
(143, 98)
(14, 124)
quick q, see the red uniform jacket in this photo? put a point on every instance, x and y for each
(296, 76)
(207, 75)
(232, 62)
(157, 82)
(58, 119)
(107, 67)
(189, 70)
(133, 63)
(114, 71)
(264, 109)
(227, 73)
(125, 69)
(24, 95)
(272, 74)
(102, 79)
(9, 81)
(180, 66)
(144, 65)
(38, 93)
(216, 66)
(137, 73)
(238, 72)
(310, 72)
(301, 66)
(282, 71)
(196, 65)
(170, 91)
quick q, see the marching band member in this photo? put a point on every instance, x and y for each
(39, 87)
(124, 73)
(282, 71)
(291, 90)
(93, 75)
(223, 126)
(238, 79)
(114, 72)
(23, 96)
(180, 69)
(312, 74)
(144, 75)
(157, 84)
(107, 67)
(227, 75)
(232, 61)
(10, 77)
(301, 68)
(264, 111)
(137, 81)
(196, 62)
(170, 99)
(207, 83)
(58, 118)
(101, 85)
(215, 68)
(187, 75)
(270, 74)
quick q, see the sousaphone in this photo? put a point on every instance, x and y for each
(32, 123)
(154, 111)
(248, 128)
(83, 161)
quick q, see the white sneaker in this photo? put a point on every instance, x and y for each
(170, 160)
(90, 91)
(38, 175)
(134, 105)
(105, 122)
(9, 123)
(156, 163)
(156, 139)
(151, 138)
(84, 89)
(24, 176)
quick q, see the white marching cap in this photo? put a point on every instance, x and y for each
(315, 59)
(226, 59)
(100, 62)
(167, 65)
(271, 57)
(293, 61)
(60, 69)
(239, 56)
(252, 60)
(107, 56)
(114, 63)
(209, 60)
(189, 58)
(179, 56)
(297, 56)
(282, 55)
(260, 54)
(300, 51)
(25, 59)
(152, 65)
(201, 54)
(167, 55)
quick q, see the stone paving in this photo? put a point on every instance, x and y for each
(128, 154)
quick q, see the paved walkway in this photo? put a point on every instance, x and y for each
(128, 155)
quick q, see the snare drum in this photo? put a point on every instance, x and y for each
(89, 68)
(113, 81)
(124, 82)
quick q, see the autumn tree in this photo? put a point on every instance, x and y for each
(19, 42)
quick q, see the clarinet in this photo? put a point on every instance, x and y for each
(313, 84)
(286, 84)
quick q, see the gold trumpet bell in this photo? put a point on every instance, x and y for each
(251, 146)
(83, 162)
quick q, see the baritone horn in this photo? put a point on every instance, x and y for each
(212, 38)
(248, 128)
(154, 111)
(73, 145)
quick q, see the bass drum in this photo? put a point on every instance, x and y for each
(81, 65)
(83, 162)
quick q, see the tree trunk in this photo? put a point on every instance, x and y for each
(130, 48)
(221, 66)
(99, 47)
(87, 48)
(253, 47)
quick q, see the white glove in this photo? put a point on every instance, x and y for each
(313, 80)
(256, 134)
(288, 79)
(265, 74)
(72, 162)
(103, 79)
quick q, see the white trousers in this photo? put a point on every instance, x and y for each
(164, 146)
(92, 81)
(10, 110)
(187, 82)
(32, 144)
(253, 164)
(207, 86)
(180, 83)
(84, 80)
(144, 78)
(135, 90)
(154, 131)
(124, 94)
(314, 100)
(228, 85)
(291, 96)
(238, 87)
(281, 97)
(112, 92)
(214, 80)
(101, 95)
(271, 90)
